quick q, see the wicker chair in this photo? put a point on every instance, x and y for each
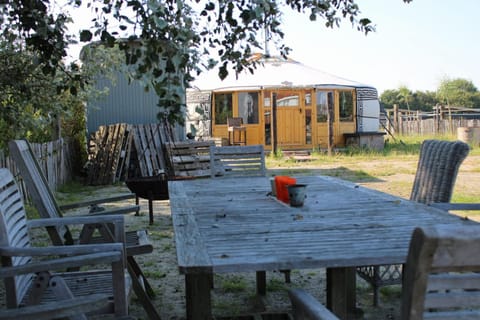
(434, 181)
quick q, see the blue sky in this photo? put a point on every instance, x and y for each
(415, 45)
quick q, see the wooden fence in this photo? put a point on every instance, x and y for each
(55, 159)
(439, 122)
(430, 126)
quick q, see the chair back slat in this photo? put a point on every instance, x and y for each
(234, 122)
(237, 161)
(38, 188)
(13, 233)
(441, 279)
(437, 170)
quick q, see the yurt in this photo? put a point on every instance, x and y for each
(285, 104)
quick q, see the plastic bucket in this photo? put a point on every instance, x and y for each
(297, 194)
(273, 187)
(281, 183)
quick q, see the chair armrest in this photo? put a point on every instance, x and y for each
(61, 250)
(306, 306)
(81, 220)
(456, 206)
(122, 210)
(68, 307)
(97, 201)
(63, 263)
(114, 223)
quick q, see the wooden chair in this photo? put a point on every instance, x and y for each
(441, 278)
(237, 161)
(435, 177)
(236, 129)
(137, 241)
(35, 286)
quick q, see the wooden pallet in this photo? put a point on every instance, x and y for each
(106, 153)
(119, 151)
(190, 158)
(149, 140)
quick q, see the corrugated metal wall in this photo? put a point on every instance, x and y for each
(125, 103)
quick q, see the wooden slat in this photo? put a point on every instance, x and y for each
(191, 252)
(106, 154)
(190, 158)
(237, 161)
(148, 143)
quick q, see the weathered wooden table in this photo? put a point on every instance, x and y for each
(233, 225)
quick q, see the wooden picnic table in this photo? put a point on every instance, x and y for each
(234, 225)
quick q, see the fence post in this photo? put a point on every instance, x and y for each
(389, 120)
(419, 122)
(395, 118)
(400, 123)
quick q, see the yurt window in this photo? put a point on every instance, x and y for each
(308, 126)
(287, 98)
(223, 107)
(346, 106)
(248, 107)
(308, 99)
(267, 114)
(324, 99)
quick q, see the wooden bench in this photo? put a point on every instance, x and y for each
(237, 161)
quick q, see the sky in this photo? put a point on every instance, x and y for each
(416, 45)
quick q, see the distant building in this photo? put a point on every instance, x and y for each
(126, 102)
(302, 97)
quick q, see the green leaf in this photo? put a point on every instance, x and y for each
(210, 6)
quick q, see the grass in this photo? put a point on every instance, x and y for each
(76, 191)
(396, 164)
(403, 147)
(234, 283)
(276, 285)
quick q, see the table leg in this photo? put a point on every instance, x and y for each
(150, 209)
(261, 283)
(341, 287)
(198, 298)
(137, 202)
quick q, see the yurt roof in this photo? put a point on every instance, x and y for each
(273, 72)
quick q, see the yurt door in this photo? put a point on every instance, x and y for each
(290, 119)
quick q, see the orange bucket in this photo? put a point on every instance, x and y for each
(281, 183)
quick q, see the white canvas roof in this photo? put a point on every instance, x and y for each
(275, 73)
